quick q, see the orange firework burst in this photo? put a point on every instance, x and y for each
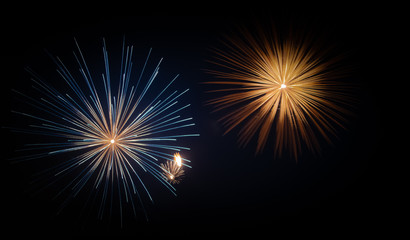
(284, 82)
(173, 169)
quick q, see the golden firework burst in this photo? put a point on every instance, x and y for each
(173, 169)
(286, 82)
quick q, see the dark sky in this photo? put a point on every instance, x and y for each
(229, 189)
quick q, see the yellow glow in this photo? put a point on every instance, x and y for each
(171, 176)
(112, 141)
(283, 86)
(178, 159)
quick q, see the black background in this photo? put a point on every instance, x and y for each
(229, 189)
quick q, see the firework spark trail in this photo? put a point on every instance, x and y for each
(282, 82)
(112, 136)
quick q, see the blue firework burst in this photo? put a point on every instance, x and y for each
(107, 139)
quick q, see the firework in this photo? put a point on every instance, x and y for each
(284, 82)
(111, 139)
(173, 169)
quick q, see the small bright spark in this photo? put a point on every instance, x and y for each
(178, 159)
(283, 86)
(112, 141)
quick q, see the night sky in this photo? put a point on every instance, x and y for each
(229, 189)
